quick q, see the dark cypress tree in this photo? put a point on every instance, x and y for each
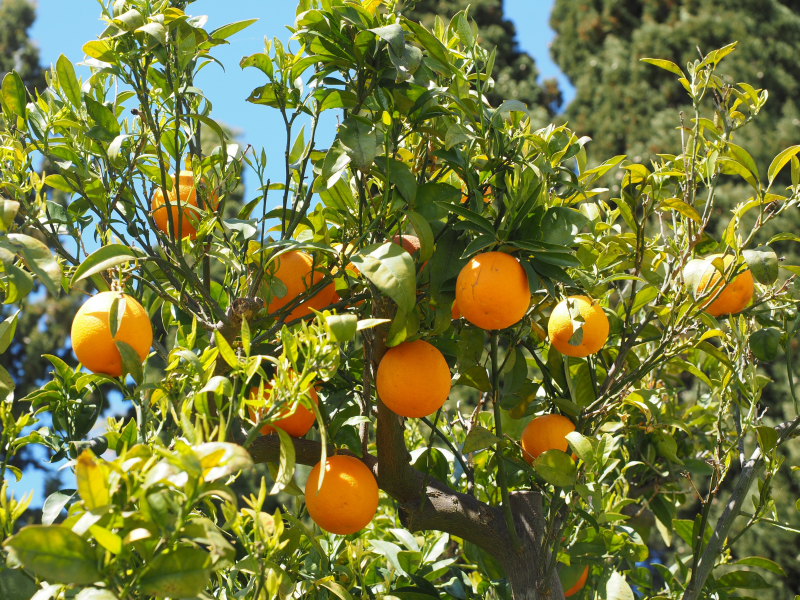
(16, 50)
(515, 72)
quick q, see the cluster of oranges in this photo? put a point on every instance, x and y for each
(492, 293)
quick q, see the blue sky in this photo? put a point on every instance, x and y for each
(64, 26)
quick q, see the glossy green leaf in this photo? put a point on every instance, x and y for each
(618, 589)
(479, 438)
(226, 31)
(8, 212)
(16, 585)
(358, 140)
(181, 573)
(343, 327)
(68, 81)
(664, 64)
(7, 329)
(746, 580)
(556, 468)
(581, 446)
(54, 504)
(391, 270)
(764, 343)
(767, 438)
(763, 263)
(14, 95)
(103, 259)
(780, 161)
(475, 377)
(764, 563)
(424, 234)
(131, 362)
(54, 553)
(667, 447)
(91, 480)
(225, 350)
(393, 35)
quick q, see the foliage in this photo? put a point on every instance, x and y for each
(17, 52)
(666, 412)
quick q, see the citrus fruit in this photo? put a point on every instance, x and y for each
(594, 329)
(296, 424)
(410, 243)
(188, 197)
(293, 268)
(735, 296)
(91, 334)
(413, 379)
(348, 498)
(492, 291)
(335, 297)
(578, 584)
(454, 312)
(547, 432)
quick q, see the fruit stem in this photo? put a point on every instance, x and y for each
(498, 431)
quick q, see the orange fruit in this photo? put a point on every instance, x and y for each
(544, 433)
(188, 197)
(335, 297)
(91, 333)
(492, 291)
(454, 312)
(293, 268)
(578, 584)
(410, 243)
(413, 379)
(595, 327)
(735, 295)
(296, 424)
(348, 498)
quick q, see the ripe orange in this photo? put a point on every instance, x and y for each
(547, 432)
(413, 379)
(348, 498)
(297, 424)
(294, 269)
(454, 312)
(735, 295)
(595, 327)
(578, 584)
(91, 334)
(188, 197)
(492, 291)
(410, 243)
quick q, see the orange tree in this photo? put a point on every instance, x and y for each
(603, 351)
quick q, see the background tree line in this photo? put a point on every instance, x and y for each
(625, 106)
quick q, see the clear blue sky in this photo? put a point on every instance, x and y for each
(64, 26)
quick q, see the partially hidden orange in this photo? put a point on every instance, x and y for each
(578, 584)
(335, 297)
(735, 296)
(548, 432)
(187, 192)
(410, 243)
(293, 268)
(594, 329)
(348, 497)
(454, 312)
(492, 291)
(413, 379)
(295, 424)
(91, 333)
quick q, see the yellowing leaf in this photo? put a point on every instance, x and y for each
(91, 479)
(371, 5)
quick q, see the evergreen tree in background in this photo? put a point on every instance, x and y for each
(515, 72)
(628, 107)
(16, 50)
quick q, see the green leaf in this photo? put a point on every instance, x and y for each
(7, 386)
(7, 329)
(18, 282)
(560, 225)
(181, 573)
(15, 585)
(337, 589)
(103, 259)
(618, 589)
(226, 31)
(54, 504)
(68, 81)
(667, 447)
(764, 563)
(90, 477)
(664, 64)
(343, 327)
(225, 350)
(681, 207)
(482, 223)
(767, 438)
(359, 142)
(763, 263)
(102, 116)
(54, 553)
(746, 580)
(14, 96)
(428, 41)
(741, 156)
(131, 362)
(479, 438)
(286, 462)
(780, 161)
(391, 270)
(556, 468)
(8, 212)
(463, 30)
(764, 343)
(393, 35)
(116, 313)
(581, 446)
(475, 377)
(424, 234)
(401, 176)
(156, 31)
(100, 50)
